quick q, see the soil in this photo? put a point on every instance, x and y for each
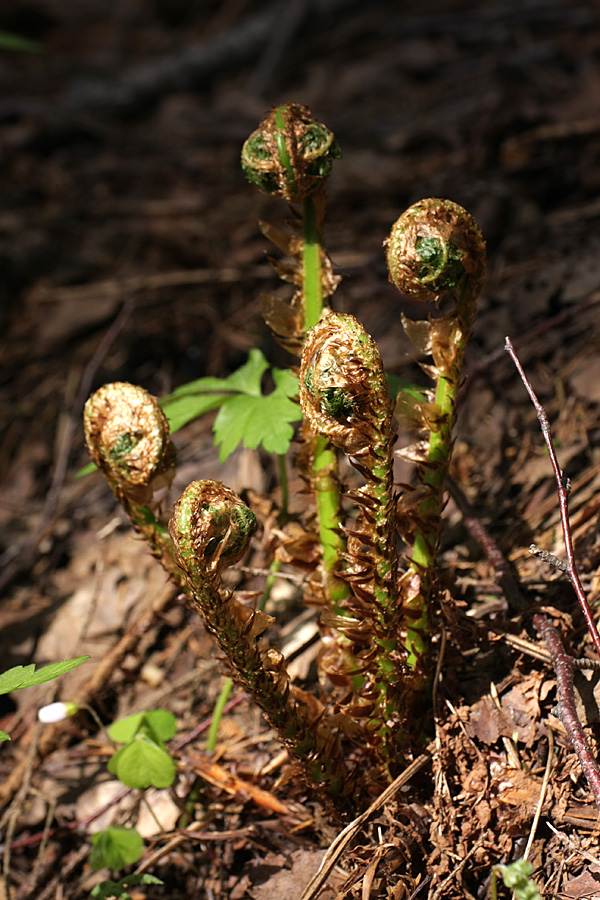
(130, 251)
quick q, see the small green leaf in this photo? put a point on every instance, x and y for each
(181, 410)
(162, 723)
(26, 676)
(16, 678)
(115, 847)
(86, 470)
(516, 875)
(10, 41)
(263, 419)
(4, 736)
(124, 730)
(247, 380)
(143, 763)
(192, 400)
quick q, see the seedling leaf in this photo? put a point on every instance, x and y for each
(124, 730)
(162, 723)
(115, 847)
(4, 736)
(143, 763)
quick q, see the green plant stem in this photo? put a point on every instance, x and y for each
(211, 740)
(324, 468)
(328, 514)
(424, 554)
(311, 253)
(149, 526)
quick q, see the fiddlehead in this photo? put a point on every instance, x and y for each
(211, 528)
(127, 436)
(345, 398)
(435, 248)
(291, 155)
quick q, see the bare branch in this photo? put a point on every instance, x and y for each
(564, 666)
(562, 489)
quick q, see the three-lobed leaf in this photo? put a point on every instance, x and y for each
(143, 763)
(246, 415)
(160, 722)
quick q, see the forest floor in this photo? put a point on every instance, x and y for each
(130, 251)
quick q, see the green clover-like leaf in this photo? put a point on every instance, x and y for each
(160, 724)
(143, 763)
(115, 847)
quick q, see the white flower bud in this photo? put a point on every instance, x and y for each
(56, 712)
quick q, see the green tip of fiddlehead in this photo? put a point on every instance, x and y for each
(211, 527)
(343, 391)
(127, 435)
(434, 248)
(290, 154)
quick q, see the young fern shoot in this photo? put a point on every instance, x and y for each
(211, 529)
(350, 738)
(345, 399)
(291, 155)
(435, 248)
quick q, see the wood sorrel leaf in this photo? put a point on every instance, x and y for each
(143, 763)
(115, 847)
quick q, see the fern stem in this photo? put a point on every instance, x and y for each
(311, 257)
